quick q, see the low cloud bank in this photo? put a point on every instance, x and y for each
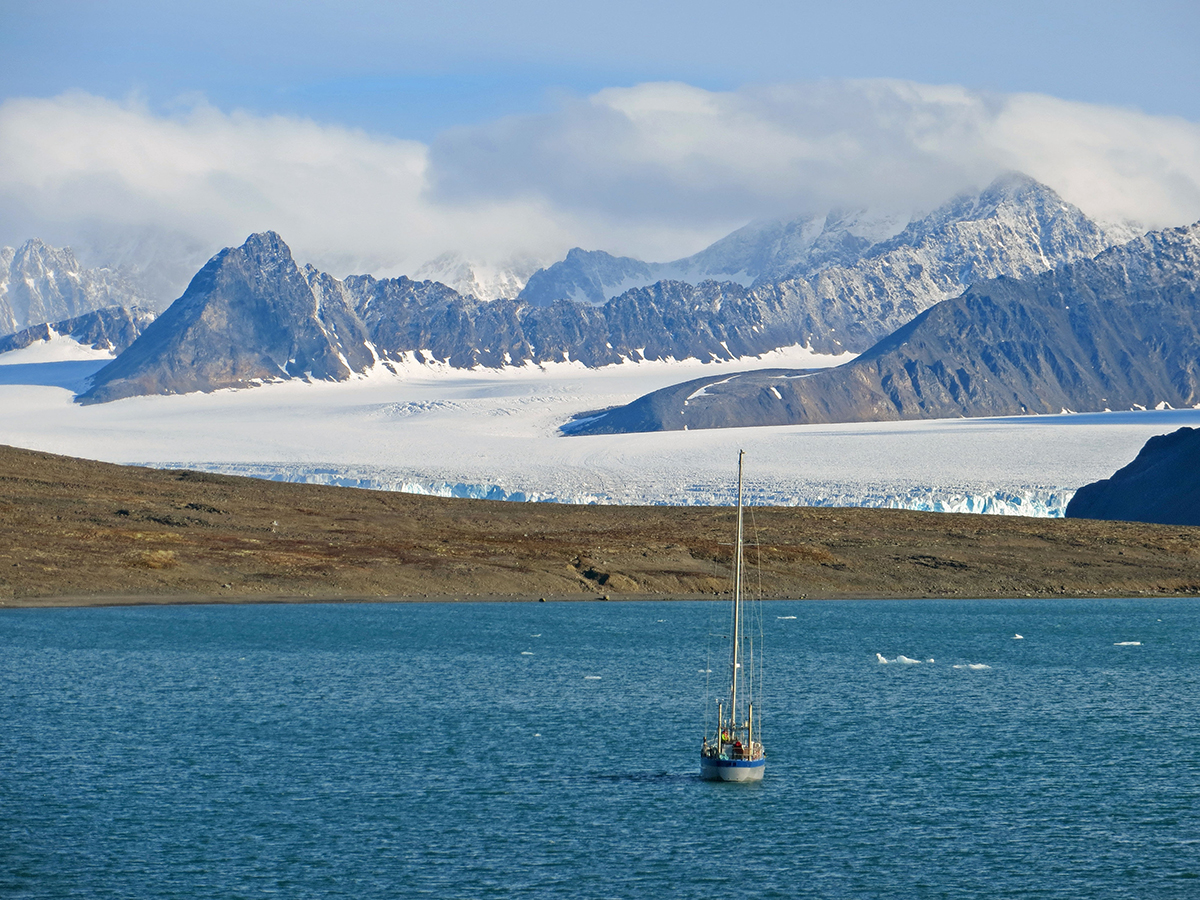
(656, 170)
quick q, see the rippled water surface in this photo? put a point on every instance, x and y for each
(550, 750)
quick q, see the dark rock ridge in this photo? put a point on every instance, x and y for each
(1118, 332)
(40, 284)
(1162, 485)
(114, 329)
(430, 321)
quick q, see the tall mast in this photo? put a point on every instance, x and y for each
(737, 602)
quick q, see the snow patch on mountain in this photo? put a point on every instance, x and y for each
(55, 349)
(480, 279)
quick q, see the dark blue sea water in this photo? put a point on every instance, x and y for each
(551, 750)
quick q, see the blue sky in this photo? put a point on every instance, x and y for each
(413, 69)
(376, 135)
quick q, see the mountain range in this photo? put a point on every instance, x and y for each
(252, 314)
(1120, 331)
(1015, 226)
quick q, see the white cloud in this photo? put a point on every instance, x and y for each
(342, 198)
(656, 170)
(666, 152)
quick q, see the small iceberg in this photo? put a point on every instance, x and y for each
(1128, 644)
(902, 659)
(785, 617)
(1018, 637)
(975, 667)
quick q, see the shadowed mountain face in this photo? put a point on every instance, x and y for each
(1116, 332)
(114, 328)
(1162, 485)
(249, 315)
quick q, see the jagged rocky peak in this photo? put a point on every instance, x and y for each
(268, 255)
(40, 284)
(250, 315)
(588, 276)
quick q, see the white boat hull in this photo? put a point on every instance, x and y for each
(732, 769)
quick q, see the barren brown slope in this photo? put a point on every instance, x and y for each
(80, 532)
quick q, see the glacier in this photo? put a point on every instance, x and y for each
(493, 434)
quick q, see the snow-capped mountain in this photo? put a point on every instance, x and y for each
(589, 276)
(40, 284)
(756, 253)
(1016, 228)
(769, 251)
(1120, 331)
(1024, 226)
(479, 279)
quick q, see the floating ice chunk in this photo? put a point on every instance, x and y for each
(975, 667)
(785, 617)
(1128, 644)
(1018, 637)
(527, 653)
(591, 677)
(902, 659)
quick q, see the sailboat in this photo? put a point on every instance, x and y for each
(735, 752)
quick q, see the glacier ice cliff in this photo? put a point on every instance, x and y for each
(1036, 501)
